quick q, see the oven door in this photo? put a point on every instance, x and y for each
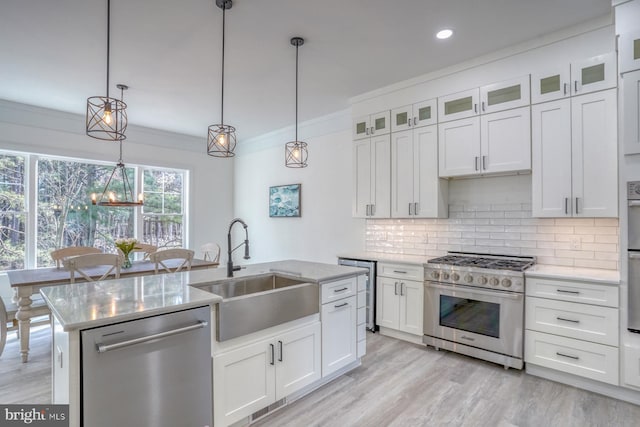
(488, 319)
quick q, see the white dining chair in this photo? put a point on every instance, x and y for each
(91, 265)
(159, 258)
(146, 248)
(211, 252)
(59, 255)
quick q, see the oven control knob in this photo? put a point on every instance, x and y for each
(455, 277)
(468, 278)
(506, 283)
(482, 280)
(444, 275)
(435, 274)
(494, 281)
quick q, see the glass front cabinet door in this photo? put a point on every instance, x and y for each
(370, 125)
(629, 46)
(592, 74)
(458, 105)
(361, 127)
(414, 116)
(551, 84)
(504, 95)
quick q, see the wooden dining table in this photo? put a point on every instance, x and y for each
(28, 282)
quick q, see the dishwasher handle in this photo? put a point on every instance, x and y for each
(102, 348)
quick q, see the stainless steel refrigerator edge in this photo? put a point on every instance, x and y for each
(633, 198)
(154, 371)
(370, 287)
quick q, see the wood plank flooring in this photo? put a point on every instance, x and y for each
(399, 384)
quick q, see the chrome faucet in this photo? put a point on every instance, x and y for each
(230, 267)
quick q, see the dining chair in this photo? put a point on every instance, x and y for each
(159, 258)
(145, 248)
(89, 266)
(59, 255)
(211, 252)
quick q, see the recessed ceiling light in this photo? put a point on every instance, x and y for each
(444, 34)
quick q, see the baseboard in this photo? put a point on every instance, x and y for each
(609, 390)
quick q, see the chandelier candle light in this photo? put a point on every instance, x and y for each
(106, 116)
(221, 139)
(295, 152)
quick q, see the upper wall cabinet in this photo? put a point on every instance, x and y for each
(487, 99)
(630, 114)
(628, 31)
(372, 177)
(414, 116)
(371, 125)
(577, 78)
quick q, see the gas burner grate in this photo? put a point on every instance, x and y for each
(493, 262)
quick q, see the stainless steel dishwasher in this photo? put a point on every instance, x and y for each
(154, 371)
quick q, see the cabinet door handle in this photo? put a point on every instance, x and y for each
(566, 206)
(401, 288)
(273, 354)
(483, 106)
(373, 130)
(373, 209)
(567, 320)
(566, 87)
(475, 163)
(567, 355)
(577, 211)
(475, 108)
(340, 290)
(281, 355)
(366, 131)
(484, 162)
(400, 271)
(562, 291)
(410, 213)
(344, 304)
(575, 86)
(395, 288)
(416, 208)
(415, 121)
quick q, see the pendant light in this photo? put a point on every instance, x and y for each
(221, 139)
(295, 152)
(106, 116)
(118, 194)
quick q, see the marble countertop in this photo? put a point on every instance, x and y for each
(574, 273)
(382, 257)
(87, 305)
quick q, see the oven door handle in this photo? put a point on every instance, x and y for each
(634, 203)
(494, 294)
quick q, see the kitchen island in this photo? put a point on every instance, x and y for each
(335, 328)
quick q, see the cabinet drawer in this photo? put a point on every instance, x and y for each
(401, 271)
(573, 320)
(595, 361)
(362, 316)
(565, 290)
(339, 289)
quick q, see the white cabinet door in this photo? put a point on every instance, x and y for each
(506, 141)
(629, 51)
(592, 74)
(361, 127)
(630, 114)
(411, 306)
(504, 95)
(425, 113)
(298, 358)
(594, 154)
(362, 161)
(459, 147)
(244, 382)
(551, 84)
(339, 337)
(387, 302)
(401, 118)
(381, 176)
(430, 193)
(458, 105)
(402, 161)
(380, 123)
(551, 162)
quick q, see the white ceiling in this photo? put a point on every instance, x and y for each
(53, 53)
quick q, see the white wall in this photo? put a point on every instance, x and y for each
(42, 131)
(325, 227)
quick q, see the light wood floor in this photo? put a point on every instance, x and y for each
(399, 384)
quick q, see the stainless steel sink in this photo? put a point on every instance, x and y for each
(251, 304)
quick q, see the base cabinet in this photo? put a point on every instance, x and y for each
(254, 376)
(339, 334)
(399, 301)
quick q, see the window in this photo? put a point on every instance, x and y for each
(65, 215)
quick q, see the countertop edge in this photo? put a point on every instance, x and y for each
(390, 258)
(601, 276)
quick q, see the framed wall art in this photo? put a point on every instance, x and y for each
(284, 201)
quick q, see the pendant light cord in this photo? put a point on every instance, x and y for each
(108, 40)
(224, 8)
(297, 93)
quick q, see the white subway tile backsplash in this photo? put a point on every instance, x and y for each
(501, 229)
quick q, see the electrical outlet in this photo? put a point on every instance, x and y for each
(575, 242)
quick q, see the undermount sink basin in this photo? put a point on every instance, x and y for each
(251, 304)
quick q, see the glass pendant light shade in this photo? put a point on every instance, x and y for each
(221, 141)
(296, 152)
(106, 116)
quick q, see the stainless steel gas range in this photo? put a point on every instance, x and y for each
(474, 305)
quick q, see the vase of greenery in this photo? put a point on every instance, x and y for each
(126, 246)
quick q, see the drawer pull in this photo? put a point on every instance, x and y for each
(340, 290)
(399, 271)
(467, 338)
(568, 320)
(562, 291)
(341, 305)
(568, 355)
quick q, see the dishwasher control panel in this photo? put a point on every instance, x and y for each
(633, 190)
